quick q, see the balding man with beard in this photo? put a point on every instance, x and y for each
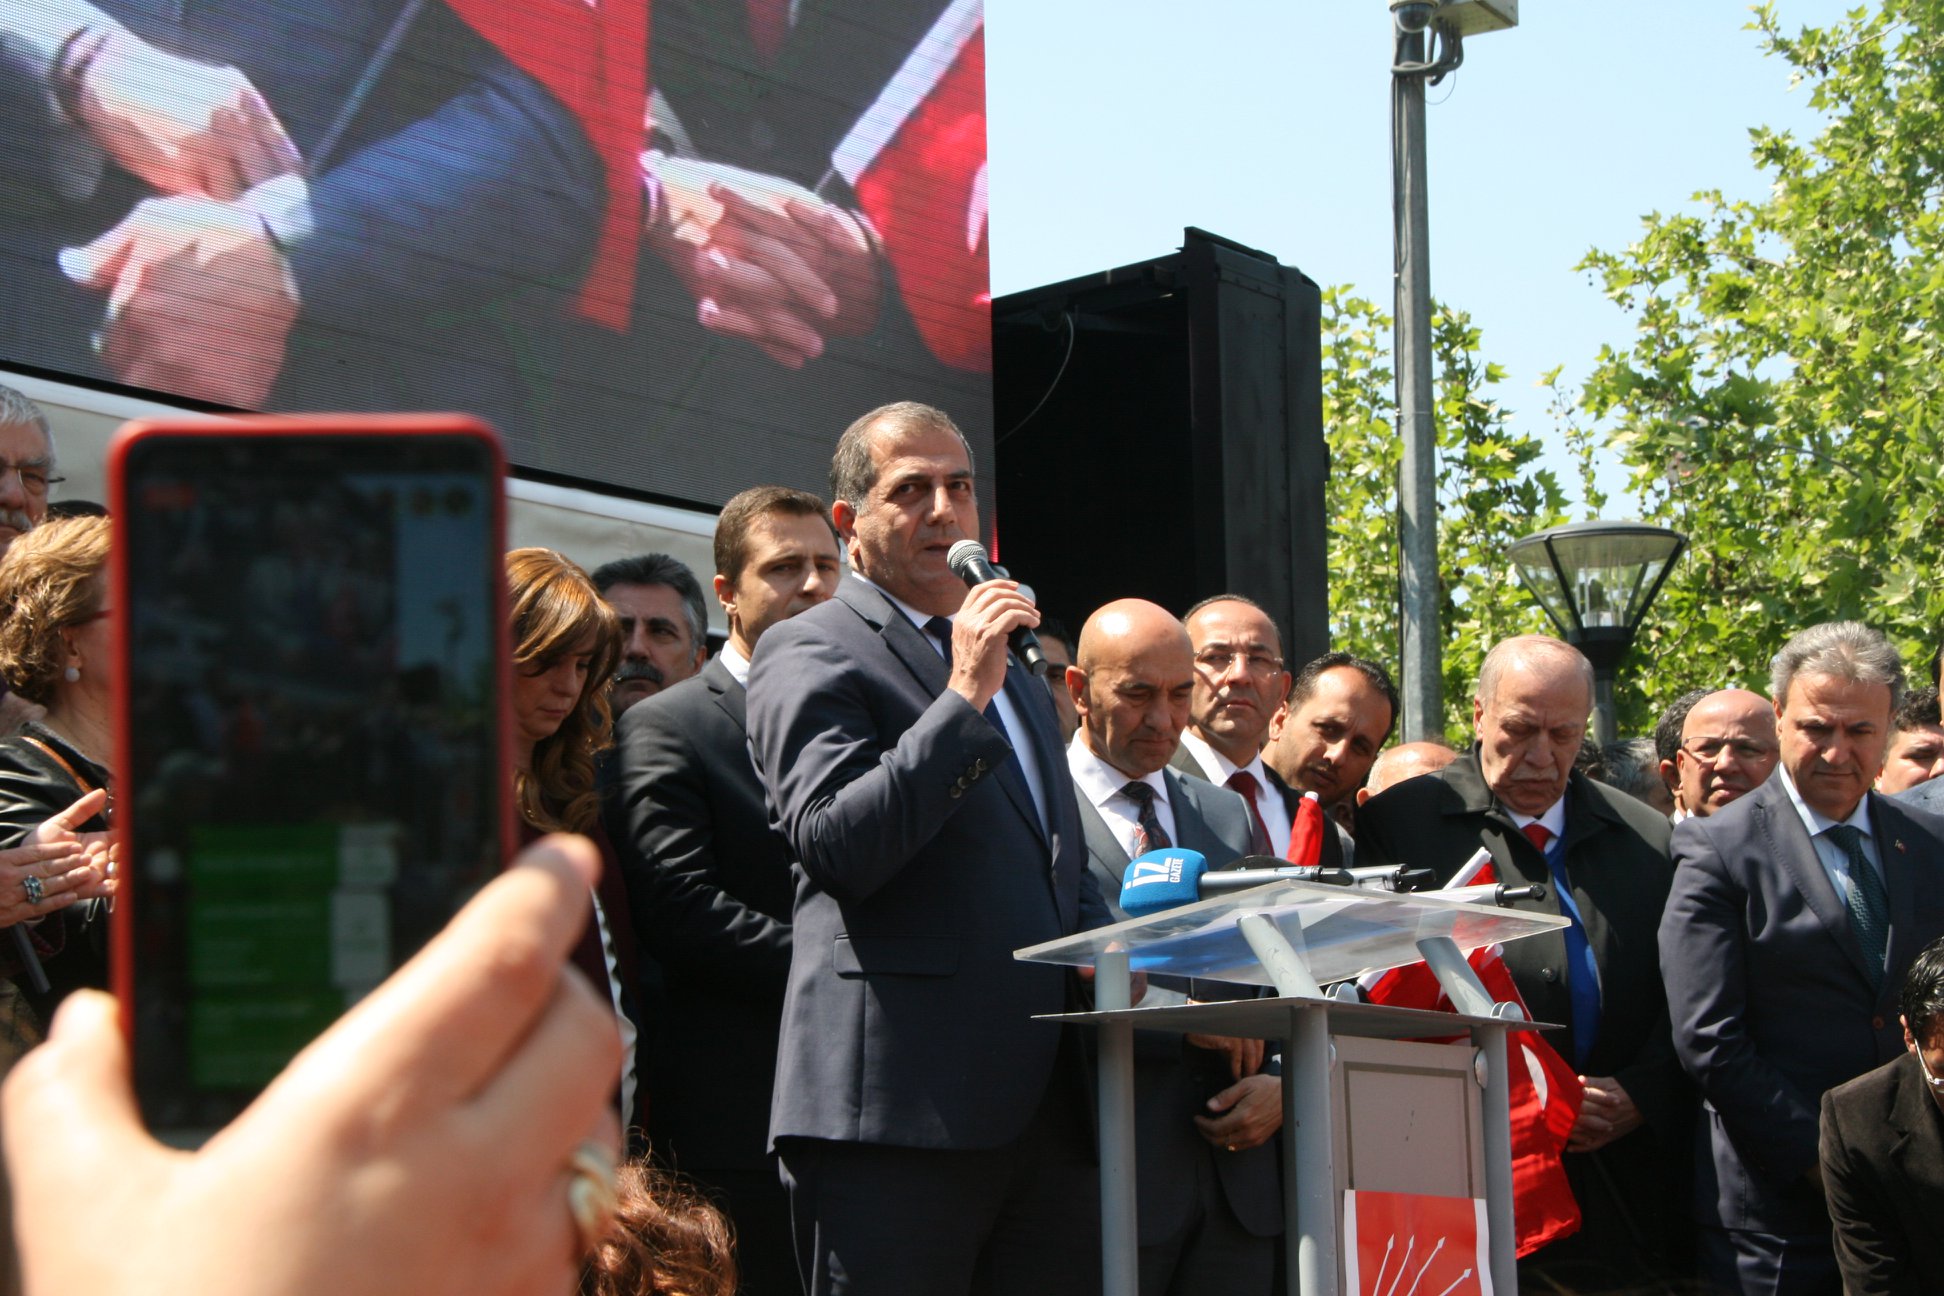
(1602, 858)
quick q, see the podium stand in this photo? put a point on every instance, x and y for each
(1297, 937)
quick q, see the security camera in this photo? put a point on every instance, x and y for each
(1412, 16)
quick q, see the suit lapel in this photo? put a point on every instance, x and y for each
(1790, 846)
(1104, 856)
(1892, 833)
(727, 694)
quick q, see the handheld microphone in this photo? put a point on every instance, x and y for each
(969, 563)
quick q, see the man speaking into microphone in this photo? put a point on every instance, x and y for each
(933, 1136)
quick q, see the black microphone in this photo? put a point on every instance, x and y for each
(969, 563)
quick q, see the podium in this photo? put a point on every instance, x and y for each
(1296, 937)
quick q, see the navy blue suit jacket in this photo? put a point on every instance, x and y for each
(1173, 1080)
(921, 866)
(1769, 994)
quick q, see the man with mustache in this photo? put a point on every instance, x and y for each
(1793, 916)
(1325, 738)
(1727, 749)
(664, 624)
(1602, 858)
(26, 465)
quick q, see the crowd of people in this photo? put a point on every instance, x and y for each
(823, 841)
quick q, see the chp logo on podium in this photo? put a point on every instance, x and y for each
(1404, 1244)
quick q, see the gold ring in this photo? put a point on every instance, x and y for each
(1231, 1147)
(590, 1193)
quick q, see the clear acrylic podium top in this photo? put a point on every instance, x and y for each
(1340, 932)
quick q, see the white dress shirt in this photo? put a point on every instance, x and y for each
(1101, 784)
(1217, 769)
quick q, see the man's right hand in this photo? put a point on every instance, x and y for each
(182, 126)
(991, 612)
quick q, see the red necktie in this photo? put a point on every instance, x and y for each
(1244, 782)
(1538, 834)
(769, 24)
(1306, 833)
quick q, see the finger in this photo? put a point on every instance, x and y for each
(791, 352)
(28, 854)
(547, 1239)
(787, 264)
(556, 1084)
(753, 289)
(835, 230)
(98, 264)
(444, 1024)
(84, 809)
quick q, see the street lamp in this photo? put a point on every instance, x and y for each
(1596, 580)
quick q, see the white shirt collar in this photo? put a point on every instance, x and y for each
(1814, 820)
(735, 663)
(1098, 781)
(1553, 820)
(912, 614)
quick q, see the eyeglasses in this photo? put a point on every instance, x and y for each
(1708, 750)
(1217, 661)
(33, 476)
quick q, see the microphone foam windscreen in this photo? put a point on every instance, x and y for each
(1162, 879)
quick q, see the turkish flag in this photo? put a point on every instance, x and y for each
(1545, 1092)
(925, 196)
(1407, 1242)
(592, 55)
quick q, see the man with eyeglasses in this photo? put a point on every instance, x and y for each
(1727, 750)
(1793, 916)
(26, 462)
(1239, 683)
(1882, 1151)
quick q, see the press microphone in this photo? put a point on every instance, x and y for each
(969, 563)
(1165, 879)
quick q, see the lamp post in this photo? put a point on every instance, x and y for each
(1596, 580)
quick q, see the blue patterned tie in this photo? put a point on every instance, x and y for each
(1869, 907)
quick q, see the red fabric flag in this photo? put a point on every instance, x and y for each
(1545, 1092)
(592, 55)
(1306, 833)
(925, 195)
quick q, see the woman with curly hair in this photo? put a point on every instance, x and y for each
(55, 648)
(665, 1240)
(566, 642)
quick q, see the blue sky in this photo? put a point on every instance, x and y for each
(1114, 123)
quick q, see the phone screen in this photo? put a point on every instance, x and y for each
(312, 754)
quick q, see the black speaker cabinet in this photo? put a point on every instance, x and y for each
(1159, 434)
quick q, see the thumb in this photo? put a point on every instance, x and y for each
(1226, 1099)
(90, 805)
(70, 1108)
(97, 264)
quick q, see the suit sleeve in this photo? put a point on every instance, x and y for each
(681, 912)
(495, 187)
(1871, 1250)
(856, 808)
(45, 153)
(1704, 961)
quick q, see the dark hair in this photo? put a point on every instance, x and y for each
(1051, 627)
(555, 611)
(51, 578)
(1375, 675)
(1667, 732)
(660, 569)
(665, 1240)
(1922, 999)
(1631, 766)
(743, 512)
(852, 470)
(1918, 708)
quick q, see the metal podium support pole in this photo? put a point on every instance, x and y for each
(1119, 1215)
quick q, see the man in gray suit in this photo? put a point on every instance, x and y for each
(933, 1135)
(1793, 914)
(1206, 1177)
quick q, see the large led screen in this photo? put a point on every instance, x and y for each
(669, 246)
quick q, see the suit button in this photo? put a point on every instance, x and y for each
(1876, 1022)
(979, 765)
(957, 790)
(1549, 974)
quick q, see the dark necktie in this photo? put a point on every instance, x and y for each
(940, 629)
(1244, 782)
(1583, 972)
(1153, 836)
(1869, 907)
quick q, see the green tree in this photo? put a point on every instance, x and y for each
(1489, 494)
(1779, 401)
